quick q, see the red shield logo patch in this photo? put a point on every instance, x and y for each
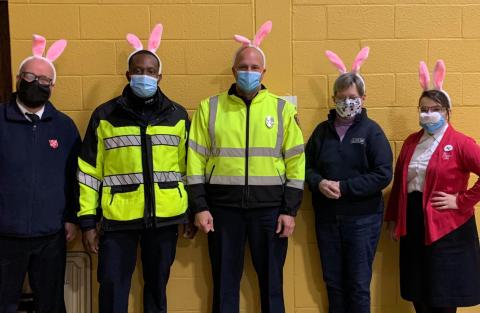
(53, 143)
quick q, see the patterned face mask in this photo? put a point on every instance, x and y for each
(348, 108)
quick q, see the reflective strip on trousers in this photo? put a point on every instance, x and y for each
(275, 152)
(88, 180)
(137, 178)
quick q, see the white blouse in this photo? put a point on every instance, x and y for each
(421, 156)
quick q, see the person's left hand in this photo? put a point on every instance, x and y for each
(285, 225)
(188, 230)
(444, 201)
(70, 231)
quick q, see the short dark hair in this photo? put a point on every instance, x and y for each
(345, 80)
(142, 52)
(439, 97)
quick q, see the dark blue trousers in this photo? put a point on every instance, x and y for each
(347, 248)
(43, 258)
(117, 259)
(233, 227)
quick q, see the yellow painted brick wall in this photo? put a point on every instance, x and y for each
(196, 51)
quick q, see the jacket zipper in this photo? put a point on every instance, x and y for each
(246, 194)
(34, 176)
(149, 187)
(211, 173)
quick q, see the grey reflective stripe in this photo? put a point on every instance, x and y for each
(266, 152)
(166, 140)
(280, 107)
(213, 107)
(88, 180)
(252, 180)
(165, 177)
(195, 179)
(295, 183)
(121, 141)
(198, 148)
(125, 179)
(252, 152)
(294, 151)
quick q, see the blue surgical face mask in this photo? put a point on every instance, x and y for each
(143, 86)
(248, 81)
(431, 121)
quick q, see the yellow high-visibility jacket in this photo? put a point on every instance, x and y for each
(132, 169)
(246, 155)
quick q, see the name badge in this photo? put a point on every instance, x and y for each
(358, 140)
(269, 121)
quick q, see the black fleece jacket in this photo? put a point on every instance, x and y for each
(361, 162)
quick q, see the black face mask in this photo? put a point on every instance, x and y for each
(32, 94)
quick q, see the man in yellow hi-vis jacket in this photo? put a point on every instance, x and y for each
(245, 172)
(131, 167)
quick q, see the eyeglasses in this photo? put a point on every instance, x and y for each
(431, 109)
(42, 80)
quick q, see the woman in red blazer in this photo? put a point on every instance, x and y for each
(431, 208)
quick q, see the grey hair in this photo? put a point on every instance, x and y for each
(345, 80)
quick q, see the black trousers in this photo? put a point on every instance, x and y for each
(233, 227)
(43, 258)
(117, 259)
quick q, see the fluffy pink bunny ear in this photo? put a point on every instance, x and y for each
(262, 32)
(359, 59)
(336, 61)
(56, 50)
(243, 40)
(135, 42)
(155, 38)
(424, 76)
(439, 74)
(38, 45)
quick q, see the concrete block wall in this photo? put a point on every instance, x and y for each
(197, 50)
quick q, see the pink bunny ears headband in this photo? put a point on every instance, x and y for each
(439, 73)
(357, 63)
(38, 48)
(153, 44)
(262, 32)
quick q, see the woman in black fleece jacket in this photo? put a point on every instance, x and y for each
(348, 163)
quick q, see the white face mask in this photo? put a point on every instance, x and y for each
(348, 108)
(431, 121)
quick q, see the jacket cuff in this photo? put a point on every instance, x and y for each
(343, 188)
(198, 210)
(314, 181)
(70, 217)
(87, 222)
(287, 211)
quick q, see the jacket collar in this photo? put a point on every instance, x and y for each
(233, 94)
(162, 104)
(13, 113)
